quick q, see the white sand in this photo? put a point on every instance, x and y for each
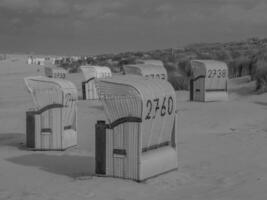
(222, 151)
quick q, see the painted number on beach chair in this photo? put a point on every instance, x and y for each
(159, 107)
(159, 76)
(212, 73)
(59, 75)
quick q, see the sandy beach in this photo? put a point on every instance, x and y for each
(222, 150)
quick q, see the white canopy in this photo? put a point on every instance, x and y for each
(90, 71)
(144, 149)
(128, 95)
(152, 62)
(47, 91)
(55, 72)
(215, 73)
(148, 70)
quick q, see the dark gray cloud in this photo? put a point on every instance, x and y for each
(95, 26)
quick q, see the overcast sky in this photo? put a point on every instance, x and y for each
(89, 27)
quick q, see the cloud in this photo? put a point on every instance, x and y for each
(98, 9)
(55, 7)
(254, 15)
(118, 24)
(139, 8)
(37, 7)
(24, 5)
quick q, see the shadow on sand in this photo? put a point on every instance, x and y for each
(74, 166)
(243, 91)
(14, 140)
(62, 163)
(260, 103)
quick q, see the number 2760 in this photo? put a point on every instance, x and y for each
(154, 107)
